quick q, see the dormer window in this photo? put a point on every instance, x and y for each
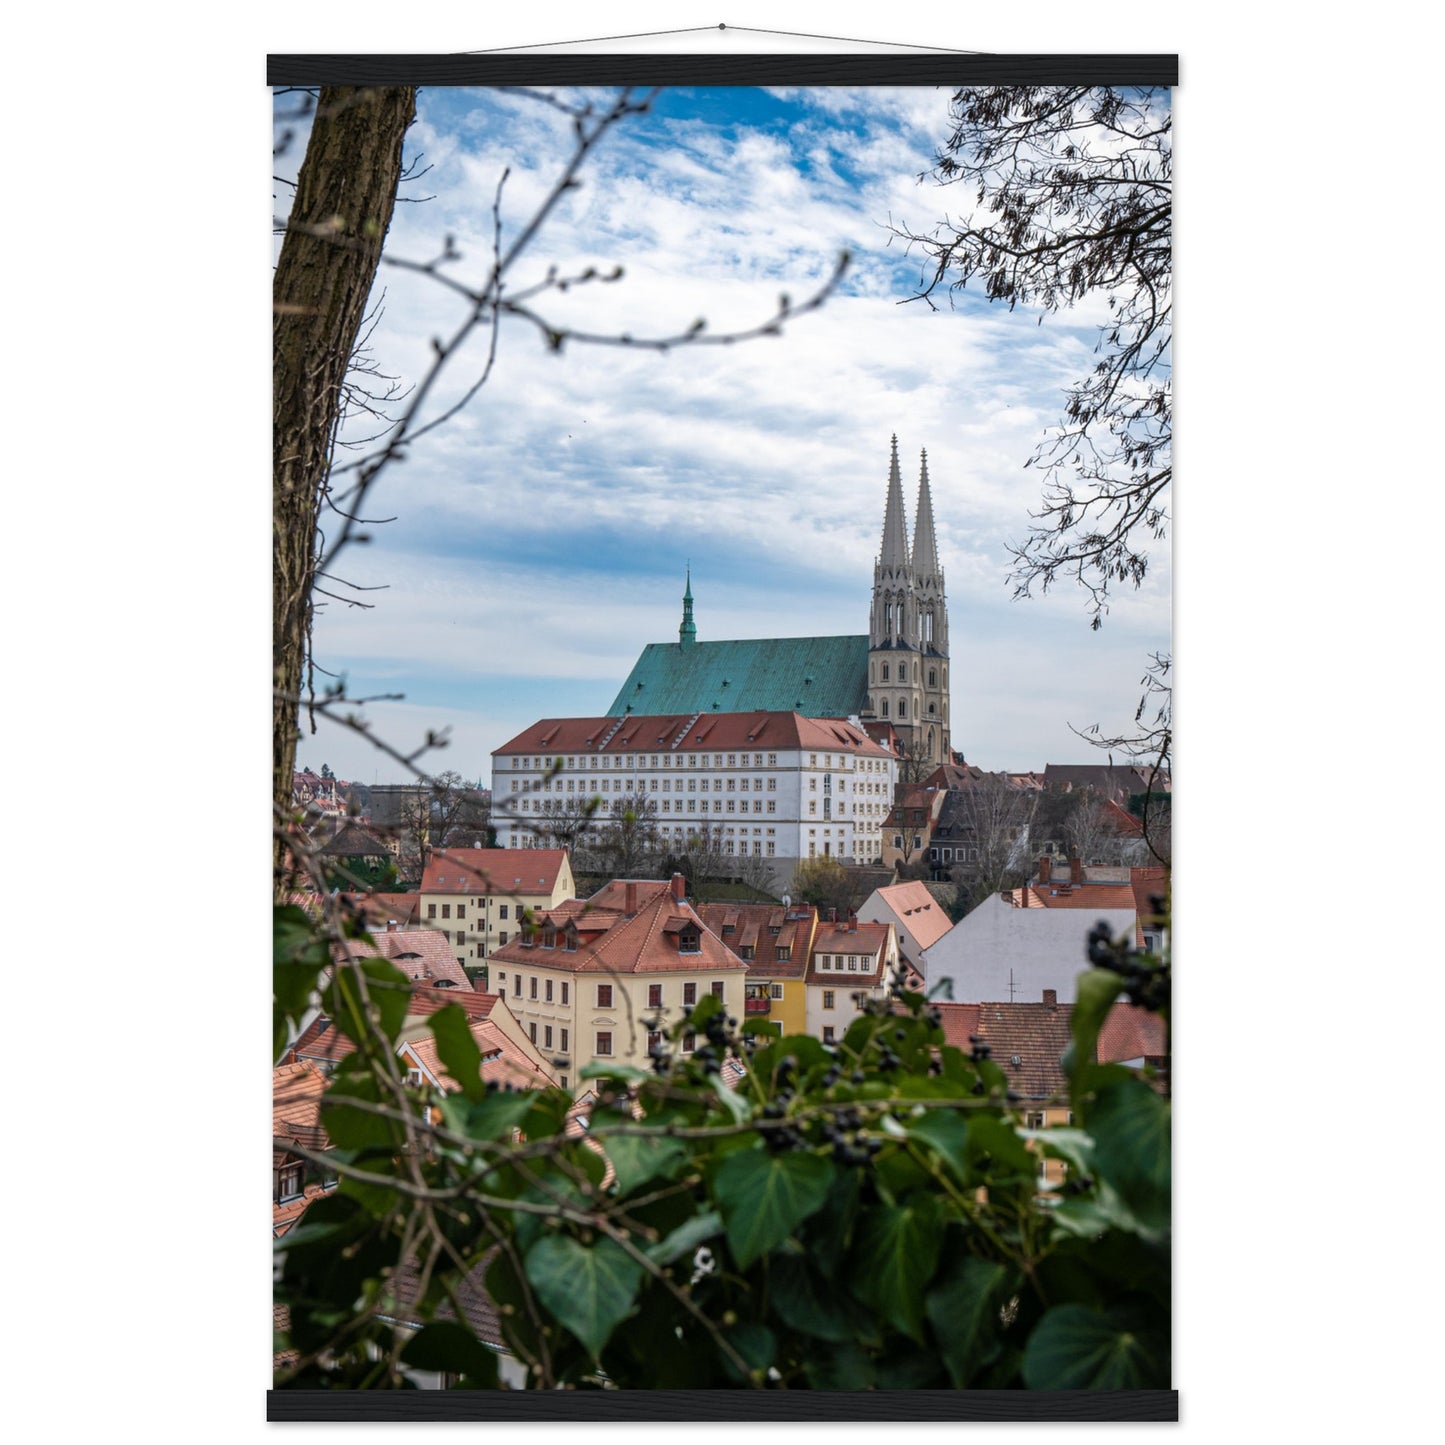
(549, 936)
(569, 938)
(689, 939)
(784, 954)
(289, 1182)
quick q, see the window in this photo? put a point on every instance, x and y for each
(517, 986)
(446, 910)
(461, 910)
(689, 994)
(689, 1043)
(717, 988)
(654, 1039)
(547, 1036)
(604, 995)
(827, 998)
(532, 992)
(504, 910)
(564, 1041)
(566, 989)
(1034, 1121)
(431, 910)
(549, 991)
(827, 1033)
(775, 990)
(503, 937)
(290, 1184)
(604, 1045)
(785, 954)
(654, 995)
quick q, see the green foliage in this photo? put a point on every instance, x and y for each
(865, 1215)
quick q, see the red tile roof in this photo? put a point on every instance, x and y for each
(1085, 895)
(296, 1091)
(750, 925)
(284, 1216)
(686, 732)
(1131, 1033)
(919, 910)
(493, 870)
(422, 954)
(866, 938)
(643, 943)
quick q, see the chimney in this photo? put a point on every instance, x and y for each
(631, 899)
(832, 915)
(852, 921)
(391, 925)
(1046, 869)
(1076, 871)
(1051, 998)
(679, 887)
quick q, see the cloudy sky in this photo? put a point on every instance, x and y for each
(541, 537)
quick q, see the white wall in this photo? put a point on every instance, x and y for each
(1032, 948)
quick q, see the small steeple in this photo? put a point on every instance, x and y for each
(687, 633)
(925, 550)
(894, 553)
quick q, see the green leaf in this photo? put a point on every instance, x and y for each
(355, 1128)
(963, 1308)
(845, 1368)
(947, 1135)
(497, 1115)
(457, 1049)
(636, 1158)
(1097, 990)
(623, 1073)
(387, 988)
(1130, 1125)
(995, 1144)
(1076, 1348)
(453, 1349)
(686, 1239)
(895, 1255)
(764, 1197)
(805, 1303)
(588, 1288)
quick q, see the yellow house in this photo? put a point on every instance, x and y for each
(479, 896)
(774, 941)
(603, 980)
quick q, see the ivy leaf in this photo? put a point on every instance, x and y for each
(963, 1308)
(764, 1197)
(895, 1255)
(636, 1158)
(686, 1239)
(805, 1303)
(388, 990)
(495, 1116)
(454, 1350)
(1130, 1125)
(1097, 990)
(457, 1049)
(947, 1135)
(588, 1288)
(356, 1128)
(1076, 1348)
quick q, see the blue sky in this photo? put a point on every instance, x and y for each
(541, 536)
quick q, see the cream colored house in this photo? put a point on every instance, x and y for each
(478, 896)
(602, 980)
(852, 963)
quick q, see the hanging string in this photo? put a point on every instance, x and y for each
(706, 29)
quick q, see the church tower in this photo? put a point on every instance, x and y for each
(908, 627)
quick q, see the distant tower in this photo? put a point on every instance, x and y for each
(908, 629)
(687, 633)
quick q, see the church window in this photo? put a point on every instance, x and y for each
(932, 711)
(885, 707)
(933, 677)
(885, 672)
(902, 712)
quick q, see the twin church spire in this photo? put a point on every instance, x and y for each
(908, 625)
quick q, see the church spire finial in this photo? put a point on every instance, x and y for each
(925, 548)
(687, 633)
(894, 552)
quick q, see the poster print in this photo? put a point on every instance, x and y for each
(714, 524)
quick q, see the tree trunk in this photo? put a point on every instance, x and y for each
(343, 204)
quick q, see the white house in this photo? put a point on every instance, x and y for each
(1004, 951)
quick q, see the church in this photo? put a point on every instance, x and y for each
(894, 677)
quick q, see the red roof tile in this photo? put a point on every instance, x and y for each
(684, 732)
(919, 910)
(493, 870)
(867, 938)
(743, 926)
(422, 954)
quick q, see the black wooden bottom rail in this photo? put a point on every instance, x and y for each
(298, 1406)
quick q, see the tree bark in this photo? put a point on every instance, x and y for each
(343, 204)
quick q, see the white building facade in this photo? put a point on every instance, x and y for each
(769, 785)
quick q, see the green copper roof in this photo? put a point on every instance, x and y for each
(814, 676)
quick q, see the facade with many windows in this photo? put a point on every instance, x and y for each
(852, 963)
(602, 980)
(774, 786)
(478, 897)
